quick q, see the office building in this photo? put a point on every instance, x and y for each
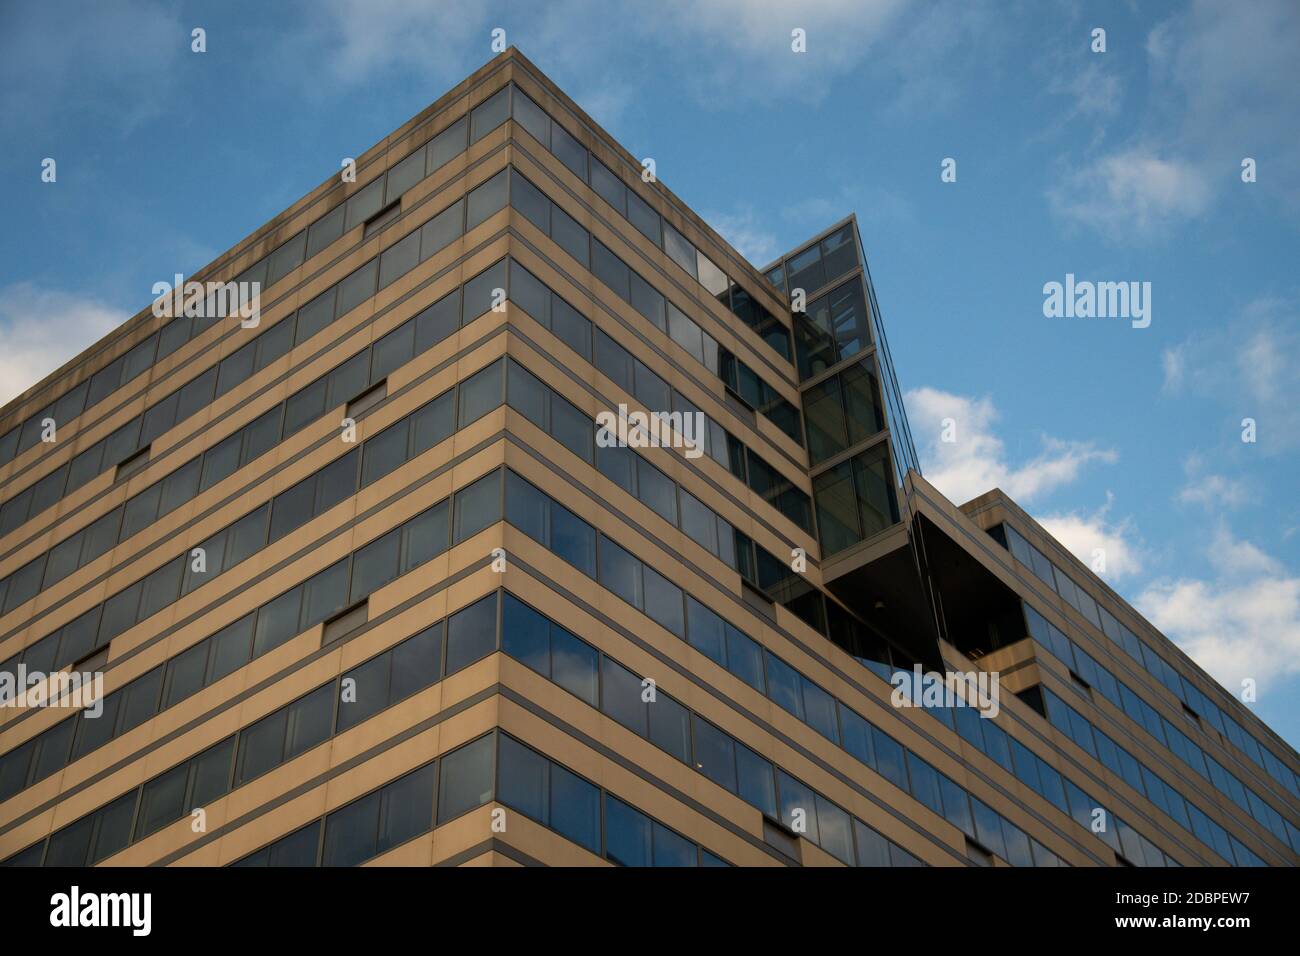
(369, 582)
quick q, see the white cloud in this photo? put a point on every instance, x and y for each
(975, 461)
(747, 234)
(1248, 366)
(1089, 537)
(1213, 491)
(1242, 623)
(1132, 192)
(408, 35)
(40, 329)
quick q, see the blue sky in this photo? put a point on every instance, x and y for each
(1115, 166)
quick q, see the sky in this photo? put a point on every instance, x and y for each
(1115, 165)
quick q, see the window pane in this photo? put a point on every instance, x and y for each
(571, 428)
(575, 809)
(374, 565)
(261, 746)
(570, 236)
(442, 230)
(405, 175)
(466, 780)
(364, 691)
(384, 453)
(351, 832)
(663, 602)
(399, 259)
(532, 118)
(309, 721)
(432, 423)
(230, 648)
(525, 635)
(627, 834)
(480, 394)
(620, 691)
(447, 144)
(406, 808)
(425, 536)
(162, 800)
(211, 777)
(574, 665)
(609, 186)
(277, 621)
(472, 634)
(670, 727)
(573, 539)
(523, 779)
(486, 200)
(620, 572)
(417, 663)
(715, 755)
(357, 288)
(489, 114)
(477, 506)
(569, 151)
(482, 291)
(526, 507)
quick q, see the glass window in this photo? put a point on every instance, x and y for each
(744, 658)
(657, 490)
(609, 186)
(784, 685)
(526, 395)
(162, 800)
(447, 144)
(663, 602)
(532, 118)
(628, 834)
(374, 565)
(670, 726)
(705, 631)
(261, 746)
(357, 288)
(485, 290)
(479, 394)
(571, 327)
(819, 711)
(873, 849)
(472, 634)
(477, 506)
(442, 230)
(620, 692)
(525, 635)
(680, 250)
(571, 428)
(530, 201)
(643, 217)
(364, 203)
(574, 665)
(575, 809)
(489, 114)
(889, 758)
(384, 453)
(486, 200)
(432, 423)
(325, 230)
(466, 780)
(569, 151)
(530, 294)
(405, 175)
(620, 572)
(364, 691)
(351, 832)
(277, 621)
(715, 754)
(309, 721)
(399, 259)
(834, 830)
(230, 648)
(648, 301)
(573, 539)
(570, 236)
(523, 780)
(417, 663)
(610, 269)
(798, 806)
(925, 783)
